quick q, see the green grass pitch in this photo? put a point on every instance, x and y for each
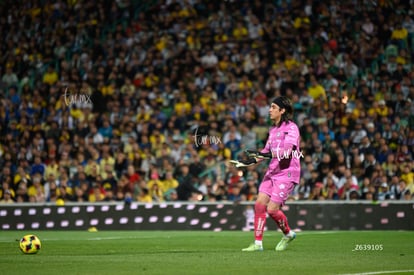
(206, 252)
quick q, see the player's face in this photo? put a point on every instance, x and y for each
(275, 112)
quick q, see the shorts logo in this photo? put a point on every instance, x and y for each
(281, 194)
(282, 186)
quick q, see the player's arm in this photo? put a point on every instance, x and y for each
(265, 153)
(291, 138)
(287, 147)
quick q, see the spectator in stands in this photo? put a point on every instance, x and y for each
(10, 78)
(316, 90)
(7, 197)
(383, 192)
(50, 77)
(36, 191)
(186, 186)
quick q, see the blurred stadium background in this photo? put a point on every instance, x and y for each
(104, 103)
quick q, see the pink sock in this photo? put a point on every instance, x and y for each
(279, 217)
(259, 220)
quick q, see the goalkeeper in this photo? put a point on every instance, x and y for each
(283, 173)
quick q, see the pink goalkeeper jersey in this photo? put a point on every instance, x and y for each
(283, 142)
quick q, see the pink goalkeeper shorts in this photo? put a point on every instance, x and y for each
(277, 191)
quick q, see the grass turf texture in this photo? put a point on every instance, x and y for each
(201, 252)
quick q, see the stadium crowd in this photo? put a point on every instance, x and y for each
(148, 102)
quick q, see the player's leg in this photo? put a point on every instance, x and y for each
(279, 196)
(278, 216)
(260, 207)
(260, 217)
(259, 222)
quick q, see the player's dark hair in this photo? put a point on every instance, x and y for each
(284, 103)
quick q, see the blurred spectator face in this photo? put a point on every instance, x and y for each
(353, 195)
(185, 169)
(6, 171)
(173, 196)
(370, 157)
(369, 196)
(51, 178)
(7, 195)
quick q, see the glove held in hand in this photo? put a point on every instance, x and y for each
(257, 154)
(244, 163)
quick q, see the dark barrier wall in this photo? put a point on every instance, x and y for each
(205, 216)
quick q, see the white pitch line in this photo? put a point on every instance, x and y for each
(381, 272)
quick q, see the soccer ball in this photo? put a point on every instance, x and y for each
(30, 244)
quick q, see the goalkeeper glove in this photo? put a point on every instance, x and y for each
(243, 163)
(257, 154)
